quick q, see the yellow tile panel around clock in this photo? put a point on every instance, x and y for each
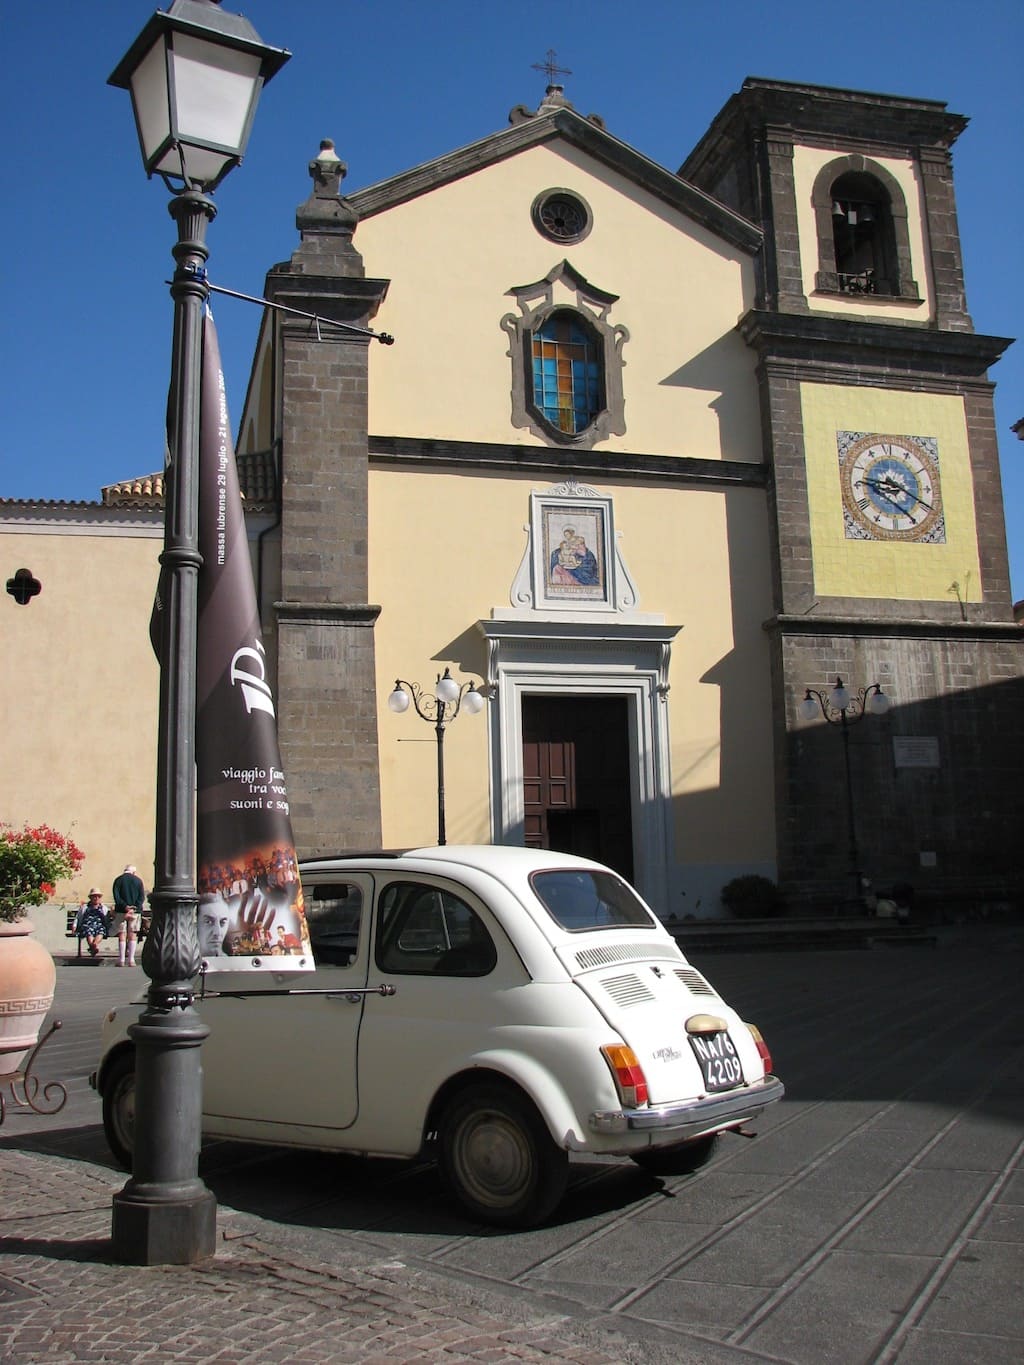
(905, 570)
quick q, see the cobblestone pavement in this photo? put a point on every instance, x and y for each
(878, 1219)
(63, 1299)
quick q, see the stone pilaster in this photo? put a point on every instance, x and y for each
(783, 277)
(326, 676)
(944, 240)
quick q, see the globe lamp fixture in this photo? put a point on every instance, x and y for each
(840, 707)
(439, 709)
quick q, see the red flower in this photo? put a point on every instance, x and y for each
(33, 860)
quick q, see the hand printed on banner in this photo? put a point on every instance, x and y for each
(252, 932)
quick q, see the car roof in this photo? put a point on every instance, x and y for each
(498, 859)
(484, 868)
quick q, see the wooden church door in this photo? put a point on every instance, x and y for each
(576, 778)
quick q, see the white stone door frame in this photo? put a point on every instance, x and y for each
(558, 658)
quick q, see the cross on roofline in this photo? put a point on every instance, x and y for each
(551, 67)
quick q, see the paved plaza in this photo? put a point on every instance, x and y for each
(878, 1216)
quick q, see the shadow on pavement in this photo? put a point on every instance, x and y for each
(943, 1029)
(86, 1250)
(348, 1193)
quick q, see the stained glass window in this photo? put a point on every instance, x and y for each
(567, 378)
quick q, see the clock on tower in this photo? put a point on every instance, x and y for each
(890, 487)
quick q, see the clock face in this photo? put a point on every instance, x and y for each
(890, 488)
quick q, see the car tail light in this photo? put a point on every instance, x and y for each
(630, 1080)
(762, 1047)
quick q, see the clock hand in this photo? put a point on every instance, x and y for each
(926, 505)
(889, 488)
(889, 491)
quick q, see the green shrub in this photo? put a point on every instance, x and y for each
(752, 897)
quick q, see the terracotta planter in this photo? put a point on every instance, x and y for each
(27, 981)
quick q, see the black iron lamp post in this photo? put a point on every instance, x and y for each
(195, 74)
(439, 709)
(840, 707)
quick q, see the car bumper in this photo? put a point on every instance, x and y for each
(692, 1117)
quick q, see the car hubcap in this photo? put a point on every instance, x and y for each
(494, 1159)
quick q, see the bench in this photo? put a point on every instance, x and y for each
(69, 930)
(72, 916)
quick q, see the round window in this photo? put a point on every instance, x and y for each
(561, 216)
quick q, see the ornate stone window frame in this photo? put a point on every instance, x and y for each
(901, 287)
(537, 302)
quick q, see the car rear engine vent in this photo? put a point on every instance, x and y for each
(627, 990)
(620, 952)
(693, 981)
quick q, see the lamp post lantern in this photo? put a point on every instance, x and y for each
(439, 709)
(195, 74)
(840, 707)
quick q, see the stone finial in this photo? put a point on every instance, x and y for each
(554, 99)
(327, 211)
(327, 170)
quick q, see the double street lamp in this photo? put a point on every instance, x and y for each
(195, 74)
(841, 707)
(439, 708)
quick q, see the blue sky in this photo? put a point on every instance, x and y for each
(86, 239)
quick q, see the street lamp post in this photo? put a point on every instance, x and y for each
(840, 707)
(439, 709)
(195, 74)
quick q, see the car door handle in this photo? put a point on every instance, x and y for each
(355, 995)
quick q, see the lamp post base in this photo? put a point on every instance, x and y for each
(165, 1215)
(164, 1232)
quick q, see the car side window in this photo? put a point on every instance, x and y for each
(333, 914)
(423, 930)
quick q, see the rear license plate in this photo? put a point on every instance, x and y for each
(718, 1061)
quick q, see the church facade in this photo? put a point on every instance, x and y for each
(655, 460)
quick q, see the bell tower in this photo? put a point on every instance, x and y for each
(889, 552)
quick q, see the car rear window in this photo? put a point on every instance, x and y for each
(579, 900)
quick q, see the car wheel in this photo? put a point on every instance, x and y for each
(498, 1158)
(119, 1109)
(681, 1159)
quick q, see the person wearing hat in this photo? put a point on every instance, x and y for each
(91, 922)
(129, 899)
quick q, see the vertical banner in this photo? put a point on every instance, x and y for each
(250, 897)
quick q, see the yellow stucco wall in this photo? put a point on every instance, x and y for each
(453, 254)
(885, 568)
(444, 550)
(79, 689)
(807, 162)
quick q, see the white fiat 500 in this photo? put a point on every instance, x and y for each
(499, 1007)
